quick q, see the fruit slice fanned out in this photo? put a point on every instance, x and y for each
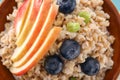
(21, 16)
(50, 39)
(41, 37)
(36, 28)
(32, 14)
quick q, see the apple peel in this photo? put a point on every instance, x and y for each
(33, 12)
(51, 37)
(21, 16)
(42, 15)
(41, 37)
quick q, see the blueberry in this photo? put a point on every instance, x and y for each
(90, 67)
(53, 64)
(70, 49)
(66, 6)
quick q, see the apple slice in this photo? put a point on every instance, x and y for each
(51, 37)
(34, 8)
(41, 37)
(36, 28)
(21, 16)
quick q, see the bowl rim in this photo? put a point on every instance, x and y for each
(113, 8)
(117, 15)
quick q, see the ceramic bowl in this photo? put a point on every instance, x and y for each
(114, 29)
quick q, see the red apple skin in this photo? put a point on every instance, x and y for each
(21, 16)
(42, 15)
(31, 17)
(52, 36)
(41, 37)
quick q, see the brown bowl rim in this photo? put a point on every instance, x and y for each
(113, 8)
(117, 15)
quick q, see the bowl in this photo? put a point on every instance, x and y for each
(114, 29)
